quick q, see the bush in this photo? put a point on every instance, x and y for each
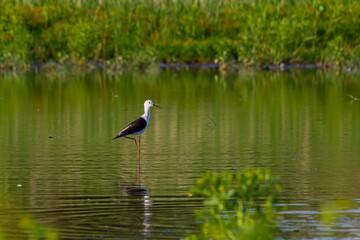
(237, 206)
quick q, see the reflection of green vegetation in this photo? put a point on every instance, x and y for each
(331, 212)
(237, 206)
(302, 125)
(145, 31)
(262, 118)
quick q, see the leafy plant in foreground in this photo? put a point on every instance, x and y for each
(237, 206)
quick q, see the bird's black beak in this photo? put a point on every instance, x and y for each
(156, 106)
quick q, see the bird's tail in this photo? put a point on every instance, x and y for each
(117, 136)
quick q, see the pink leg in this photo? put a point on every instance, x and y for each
(132, 139)
(139, 157)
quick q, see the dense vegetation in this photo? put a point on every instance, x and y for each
(237, 206)
(144, 32)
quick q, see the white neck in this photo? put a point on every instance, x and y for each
(146, 114)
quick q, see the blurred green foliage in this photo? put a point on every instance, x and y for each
(237, 206)
(142, 32)
(36, 230)
(30, 229)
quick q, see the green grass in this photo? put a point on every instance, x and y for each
(142, 33)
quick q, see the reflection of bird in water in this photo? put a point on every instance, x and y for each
(138, 204)
(133, 190)
(137, 127)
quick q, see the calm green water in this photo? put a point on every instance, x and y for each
(59, 166)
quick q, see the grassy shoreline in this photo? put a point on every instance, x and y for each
(142, 34)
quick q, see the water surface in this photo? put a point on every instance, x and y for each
(59, 166)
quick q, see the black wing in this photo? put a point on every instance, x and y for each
(134, 127)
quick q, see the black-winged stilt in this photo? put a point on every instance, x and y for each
(137, 127)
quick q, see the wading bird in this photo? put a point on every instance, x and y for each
(137, 127)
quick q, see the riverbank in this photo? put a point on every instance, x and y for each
(144, 34)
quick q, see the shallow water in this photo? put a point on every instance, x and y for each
(60, 168)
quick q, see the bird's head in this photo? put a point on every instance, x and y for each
(149, 103)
